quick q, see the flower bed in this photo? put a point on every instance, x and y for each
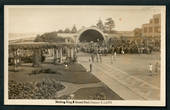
(45, 89)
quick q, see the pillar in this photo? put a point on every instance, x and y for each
(52, 51)
(61, 55)
(48, 52)
(15, 60)
(57, 56)
(36, 57)
(71, 53)
(68, 52)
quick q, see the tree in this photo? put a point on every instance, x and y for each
(137, 32)
(100, 25)
(60, 31)
(49, 37)
(38, 38)
(74, 29)
(109, 24)
(67, 30)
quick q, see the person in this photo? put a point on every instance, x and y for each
(36, 57)
(97, 56)
(150, 69)
(91, 64)
(71, 96)
(100, 55)
(92, 57)
(105, 51)
(122, 52)
(43, 57)
(18, 56)
(115, 55)
(112, 56)
(156, 67)
(75, 58)
(15, 64)
(66, 65)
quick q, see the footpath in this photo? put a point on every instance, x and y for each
(125, 85)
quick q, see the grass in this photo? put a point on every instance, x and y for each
(94, 93)
(135, 65)
(74, 74)
(27, 76)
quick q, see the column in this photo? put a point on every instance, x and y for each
(48, 52)
(61, 55)
(57, 56)
(15, 60)
(71, 53)
(53, 53)
(75, 54)
(68, 52)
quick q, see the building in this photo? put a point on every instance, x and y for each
(153, 28)
(150, 31)
(125, 34)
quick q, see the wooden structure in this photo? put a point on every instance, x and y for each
(58, 51)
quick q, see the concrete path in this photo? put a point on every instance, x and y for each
(71, 88)
(125, 85)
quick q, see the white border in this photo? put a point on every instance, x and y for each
(161, 102)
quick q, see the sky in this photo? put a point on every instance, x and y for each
(40, 19)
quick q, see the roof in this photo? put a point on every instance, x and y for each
(31, 45)
(126, 33)
(157, 15)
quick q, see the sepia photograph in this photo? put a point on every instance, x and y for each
(86, 55)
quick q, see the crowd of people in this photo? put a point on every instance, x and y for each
(97, 50)
(122, 47)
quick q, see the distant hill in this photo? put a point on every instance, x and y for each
(15, 36)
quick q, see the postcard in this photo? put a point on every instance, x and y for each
(84, 55)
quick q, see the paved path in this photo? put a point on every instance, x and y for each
(125, 85)
(71, 88)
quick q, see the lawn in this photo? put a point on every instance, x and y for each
(96, 93)
(27, 83)
(74, 74)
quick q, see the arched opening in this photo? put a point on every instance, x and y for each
(91, 35)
